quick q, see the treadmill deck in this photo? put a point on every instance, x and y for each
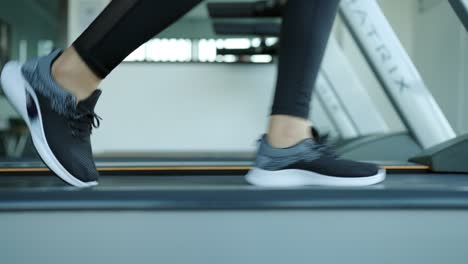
(220, 192)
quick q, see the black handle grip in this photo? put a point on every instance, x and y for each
(257, 29)
(240, 10)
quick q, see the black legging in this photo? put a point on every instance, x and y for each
(124, 25)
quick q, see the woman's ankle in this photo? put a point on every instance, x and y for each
(286, 131)
(71, 73)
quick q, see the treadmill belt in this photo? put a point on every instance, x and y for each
(399, 191)
(171, 167)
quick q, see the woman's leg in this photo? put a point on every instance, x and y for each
(288, 156)
(122, 27)
(56, 94)
(305, 31)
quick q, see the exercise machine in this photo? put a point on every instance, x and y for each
(202, 211)
(443, 150)
(426, 124)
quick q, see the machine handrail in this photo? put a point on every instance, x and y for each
(396, 72)
(461, 9)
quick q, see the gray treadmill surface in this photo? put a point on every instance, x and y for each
(151, 162)
(136, 163)
(224, 192)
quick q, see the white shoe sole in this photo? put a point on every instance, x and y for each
(16, 89)
(296, 178)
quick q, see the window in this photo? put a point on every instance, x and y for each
(229, 50)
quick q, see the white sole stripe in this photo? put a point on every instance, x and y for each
(296, 178)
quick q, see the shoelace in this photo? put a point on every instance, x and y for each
(319, 137)
(82, 123)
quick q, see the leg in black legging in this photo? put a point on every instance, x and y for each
(288, 156)
(305, 31)
(122, 27)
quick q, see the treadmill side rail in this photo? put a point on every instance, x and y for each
(363, 114)
(396, 72)
(461, 9)
(450, 156)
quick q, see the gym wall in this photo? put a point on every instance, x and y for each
(215, 102)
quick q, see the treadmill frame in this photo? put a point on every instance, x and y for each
(337, 96)
(396, 72)
(461, 9)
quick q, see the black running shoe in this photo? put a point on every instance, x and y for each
(60, 128)
(309, 163)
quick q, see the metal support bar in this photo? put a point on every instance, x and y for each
(396, 72)
(461, 9)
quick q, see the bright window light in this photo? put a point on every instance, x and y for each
(229, 58)
(172, 50)
(220, 44)
(153, 50)
(219, 58)
(165, 49)
(202, 50)
(207, 50)
(169, 50)
(271, 41)
(261, 58)
(237, 43)
(256, 42)
(185, 50)
(138, 55)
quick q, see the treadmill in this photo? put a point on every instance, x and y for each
(434, 133)
(430, 139)
(202, 211)
(332, 94)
